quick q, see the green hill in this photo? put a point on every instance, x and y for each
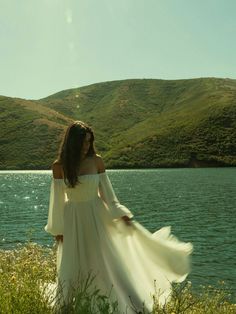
(137, 123)
(29, 134)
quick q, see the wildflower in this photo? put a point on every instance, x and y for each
(13, 278)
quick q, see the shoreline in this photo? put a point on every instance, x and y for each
(194, 166)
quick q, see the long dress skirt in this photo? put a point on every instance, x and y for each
(126, 262)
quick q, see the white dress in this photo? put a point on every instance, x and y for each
(126, 259)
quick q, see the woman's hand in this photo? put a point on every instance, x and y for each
(127, 220)
(59, 238)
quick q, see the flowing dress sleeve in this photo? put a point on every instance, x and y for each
(55, 224)
(107, 194)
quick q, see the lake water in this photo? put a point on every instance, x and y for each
(199, 204)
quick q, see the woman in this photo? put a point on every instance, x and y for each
(96, 233)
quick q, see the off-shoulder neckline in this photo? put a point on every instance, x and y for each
(90, 174)
(86, 175)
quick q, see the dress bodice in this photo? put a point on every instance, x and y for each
(85, 190)
(90, 189)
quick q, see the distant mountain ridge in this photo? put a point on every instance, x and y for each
(137, 123)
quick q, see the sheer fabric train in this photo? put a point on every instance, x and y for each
(126, 259)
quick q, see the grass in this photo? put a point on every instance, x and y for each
(24, 269)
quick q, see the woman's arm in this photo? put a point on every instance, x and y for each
(57, 174)
(55, 224)
(108, 195)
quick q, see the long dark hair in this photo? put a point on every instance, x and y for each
(70, 150)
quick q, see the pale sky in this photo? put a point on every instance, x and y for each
(52, 45)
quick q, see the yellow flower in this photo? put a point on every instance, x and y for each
(13, 278)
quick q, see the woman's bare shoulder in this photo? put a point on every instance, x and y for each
(57, 170)
(99, 163)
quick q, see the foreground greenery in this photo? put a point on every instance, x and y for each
(23, 270)
(137, 123)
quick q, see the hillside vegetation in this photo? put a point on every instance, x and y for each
(137, 123)
(29, 134)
